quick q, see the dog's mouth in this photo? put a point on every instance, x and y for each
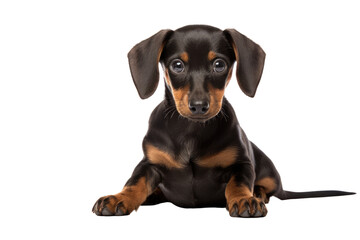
(213, 110)
(197, 110)
(199, 118)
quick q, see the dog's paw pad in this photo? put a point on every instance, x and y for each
(247, 207)
(106, 206)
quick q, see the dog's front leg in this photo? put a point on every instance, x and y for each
(239, 193)
(140, 185)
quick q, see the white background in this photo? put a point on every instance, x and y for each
(71, 121)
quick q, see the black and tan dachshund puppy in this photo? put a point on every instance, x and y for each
(195, 152)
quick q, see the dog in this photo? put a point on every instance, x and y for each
(195, 153)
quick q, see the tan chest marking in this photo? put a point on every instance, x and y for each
(158, 156)
(222, 159)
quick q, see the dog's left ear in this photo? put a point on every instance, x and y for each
(250, 60)
(144, 59)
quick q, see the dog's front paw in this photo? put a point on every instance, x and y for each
(123, 203)
(246, 207)
(113, 205)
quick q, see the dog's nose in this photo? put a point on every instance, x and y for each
(199, 107)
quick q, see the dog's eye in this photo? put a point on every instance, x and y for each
(177, 66)
(219, 65)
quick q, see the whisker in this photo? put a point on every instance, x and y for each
(174, 111)
(224, 115)
(169, 110)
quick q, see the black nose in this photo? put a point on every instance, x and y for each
(199, 107)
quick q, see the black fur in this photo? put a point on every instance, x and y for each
(186, 137)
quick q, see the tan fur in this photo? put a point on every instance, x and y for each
(216, 97)
(222, 159)
(234, 191)
(228, 77)
(239, 195)
(131, 197)
(262, 195)
(236, 194)
(184, 56)
(157, 156)
(235, 51)
(180, 95)
(211, 55)
(167, 78)
(181, 100)
(267, 183)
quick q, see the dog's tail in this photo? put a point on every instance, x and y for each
(284, 195)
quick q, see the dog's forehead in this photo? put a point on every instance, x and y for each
(198, 39)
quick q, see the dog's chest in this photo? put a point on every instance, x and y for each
(193, 185)
(196, 180)
(186, 153)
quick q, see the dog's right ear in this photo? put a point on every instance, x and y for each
(144, 60)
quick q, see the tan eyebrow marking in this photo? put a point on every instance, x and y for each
(184, 56)
(211, 55)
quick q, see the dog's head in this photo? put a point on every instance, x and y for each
(197, 61)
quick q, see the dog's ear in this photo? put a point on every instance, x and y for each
(250, 60)
(144, 59)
